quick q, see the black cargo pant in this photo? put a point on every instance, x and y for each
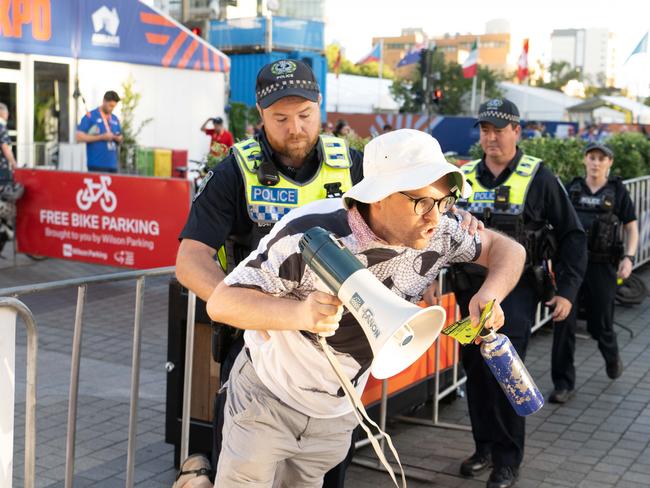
(335, 477)
(497, 430)
(597, 294)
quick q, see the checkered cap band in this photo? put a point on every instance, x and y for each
(284, 84)
(498, 115)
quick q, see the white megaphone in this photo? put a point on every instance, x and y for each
(398, 331)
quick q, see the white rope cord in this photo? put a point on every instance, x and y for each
(360, 411)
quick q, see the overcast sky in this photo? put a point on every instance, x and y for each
(353, 23)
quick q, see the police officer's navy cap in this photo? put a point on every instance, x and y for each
(285, 78)
(499, 112)
(596, 146)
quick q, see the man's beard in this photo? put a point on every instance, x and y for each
(295, 149)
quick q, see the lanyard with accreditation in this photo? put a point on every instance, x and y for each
(110, 144)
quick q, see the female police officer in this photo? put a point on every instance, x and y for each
(604, 208)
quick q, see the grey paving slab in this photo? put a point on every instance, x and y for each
(599, 439)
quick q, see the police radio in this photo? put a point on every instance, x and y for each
(267, 174)
(574, 194)
(502, 198)
(333, 190)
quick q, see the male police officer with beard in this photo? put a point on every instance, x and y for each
(606, 212)
(287, 165)
(517, 195)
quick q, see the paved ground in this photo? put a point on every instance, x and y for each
(600, 439)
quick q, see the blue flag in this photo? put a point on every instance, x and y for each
(411, 57)
(641, 47)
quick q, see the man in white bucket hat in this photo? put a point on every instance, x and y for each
(284, 402)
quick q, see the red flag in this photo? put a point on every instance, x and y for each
(522, 65)
(337, 63)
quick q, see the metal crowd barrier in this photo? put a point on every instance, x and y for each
(82, 284)
(187, 378)
(639, 189)
(19, 308)
(67, 156)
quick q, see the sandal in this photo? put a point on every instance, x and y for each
(202, 469)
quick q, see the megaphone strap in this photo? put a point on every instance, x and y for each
(361, 414)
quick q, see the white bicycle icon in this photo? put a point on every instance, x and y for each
(97, 192)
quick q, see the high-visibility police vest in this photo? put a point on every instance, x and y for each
(517, 186)
(602, 225)
(267, 204)
(502, 207)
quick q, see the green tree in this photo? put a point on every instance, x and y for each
(448, 77)
(561, 73)
(631, 154)
(408, 94)
(239, 117)
(129, 102)
(595, 91)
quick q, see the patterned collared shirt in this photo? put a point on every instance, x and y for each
(291, 363)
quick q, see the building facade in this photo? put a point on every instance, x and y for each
(590, 50)
(493, 49)
(396, 47)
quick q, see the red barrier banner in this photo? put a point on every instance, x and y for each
(117, 220)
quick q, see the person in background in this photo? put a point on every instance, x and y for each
(386, 128)
(250, 131)
(101, 131)
(327, 128)
(531, 131)
(7, 185)
(605, 209)
(590, 133)
(221, 138)
(518, 195)
(603, 133)
(7, 160)
(342, 129)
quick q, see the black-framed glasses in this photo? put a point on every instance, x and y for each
(424, 205)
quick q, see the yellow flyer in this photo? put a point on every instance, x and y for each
(463, 331)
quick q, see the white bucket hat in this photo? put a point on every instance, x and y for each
(402, 160)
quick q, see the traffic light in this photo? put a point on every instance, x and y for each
(437, 96)
(424, 62)
(197, 27)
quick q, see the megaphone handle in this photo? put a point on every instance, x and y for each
(321, 286)
(361, 414)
